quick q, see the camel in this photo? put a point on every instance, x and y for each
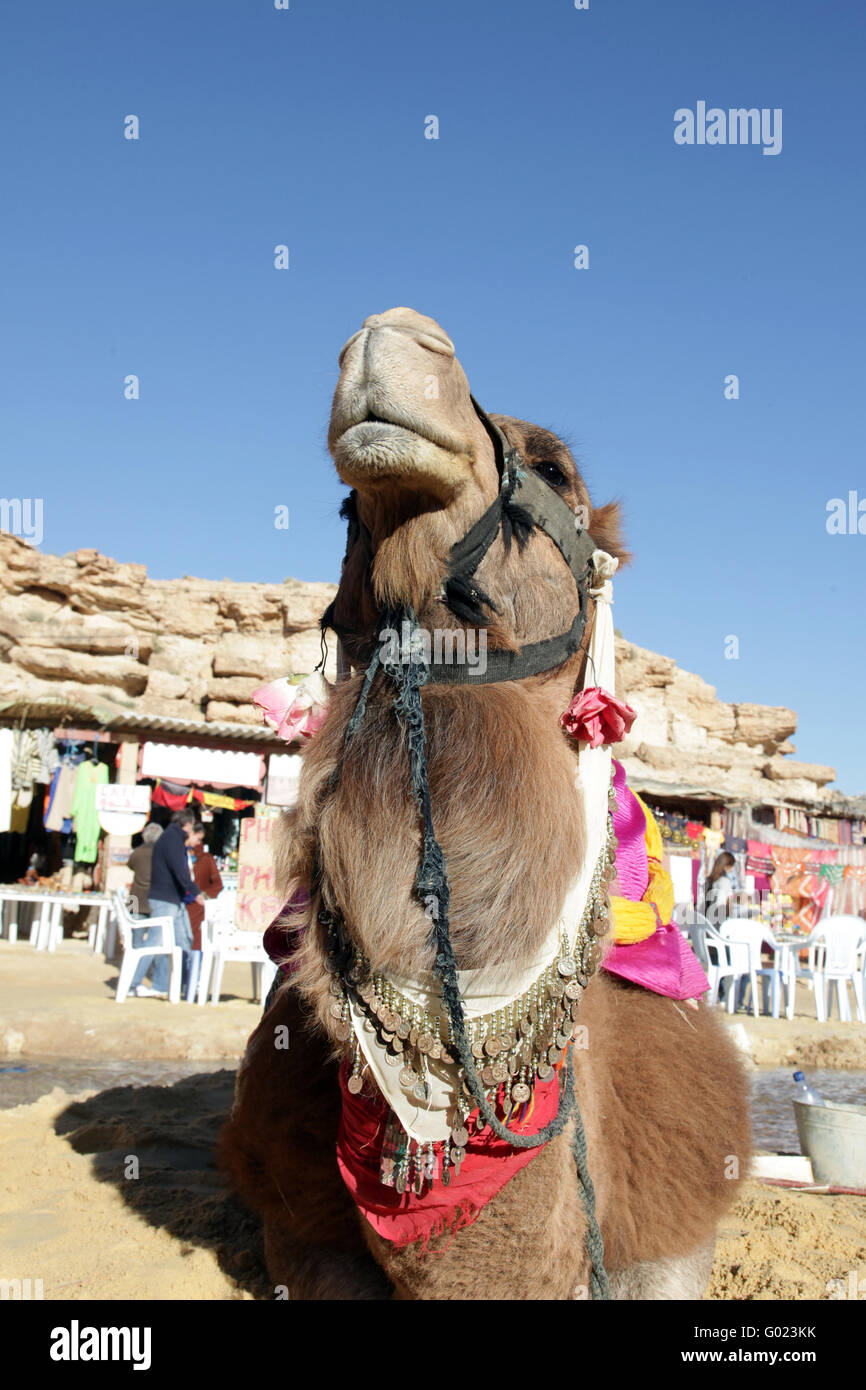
(661, 1095)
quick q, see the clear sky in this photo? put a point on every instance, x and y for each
(155, 257)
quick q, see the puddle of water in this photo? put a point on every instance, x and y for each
(774, 1126)
(22, 1082)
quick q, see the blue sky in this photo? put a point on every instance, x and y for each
(306, 127)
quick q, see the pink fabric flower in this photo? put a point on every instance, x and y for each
(294, 710)
(595, 717)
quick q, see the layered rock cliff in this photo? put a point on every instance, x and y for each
(82, 632)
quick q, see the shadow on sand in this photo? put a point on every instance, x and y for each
(172, 1130)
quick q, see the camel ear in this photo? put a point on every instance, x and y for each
(605, 527)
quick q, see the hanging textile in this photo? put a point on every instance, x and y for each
(834, 873)
(90, 775)
(167, 794)
(736, 822)
(49, 796)
(26, 762)
(759, 858)
(59, 815)
(226, 803)
(49, 758)
(798, 874)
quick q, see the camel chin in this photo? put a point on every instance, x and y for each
(376, 453)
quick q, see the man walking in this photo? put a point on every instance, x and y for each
(170, 883)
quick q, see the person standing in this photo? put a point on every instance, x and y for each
(170, 884)
(207, 878)
(719, 889)
(141, 864)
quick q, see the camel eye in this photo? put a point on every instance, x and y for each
(551, 473)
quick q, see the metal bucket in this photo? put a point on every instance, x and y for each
(833, 1136)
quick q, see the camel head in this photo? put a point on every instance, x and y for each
(405, 435)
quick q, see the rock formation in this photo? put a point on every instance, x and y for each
(81, 633)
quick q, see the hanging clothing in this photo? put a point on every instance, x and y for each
(713, 841)
(60, 810)
(7, 739)
(26, 762)
(49, 758)
(88, 777)
(49, 796)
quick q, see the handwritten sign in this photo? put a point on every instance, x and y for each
(124, 797)
(258, 902)
(122, 807)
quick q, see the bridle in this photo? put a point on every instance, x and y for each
(524, 503)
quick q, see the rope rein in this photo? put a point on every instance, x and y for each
(433, 892)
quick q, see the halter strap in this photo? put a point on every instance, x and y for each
(524, 502)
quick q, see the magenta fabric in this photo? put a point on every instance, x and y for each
(629, 824)
(664, 962)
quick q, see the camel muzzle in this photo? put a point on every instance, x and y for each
(402, 414)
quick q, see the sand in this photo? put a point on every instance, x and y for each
(72, 1215)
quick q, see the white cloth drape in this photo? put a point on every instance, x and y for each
(484, 991)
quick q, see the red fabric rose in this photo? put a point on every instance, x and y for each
(595, 717)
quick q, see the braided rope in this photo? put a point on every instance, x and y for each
(433, 891)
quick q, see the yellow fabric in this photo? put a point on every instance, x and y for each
(660, 890)
(631, 921)
(652, 836)
(636, 921)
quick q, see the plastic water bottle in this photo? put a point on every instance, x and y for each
(803, 1091)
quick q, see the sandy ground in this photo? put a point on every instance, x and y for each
(73, 1215)
(61, 1004)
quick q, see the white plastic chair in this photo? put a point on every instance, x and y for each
(837, 956)
(745, 939)
(219, 914)
(226, 943)
(711, 949)
(133, 954)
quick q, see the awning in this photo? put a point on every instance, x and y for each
(220, 766)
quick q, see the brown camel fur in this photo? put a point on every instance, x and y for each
(660, 1088)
